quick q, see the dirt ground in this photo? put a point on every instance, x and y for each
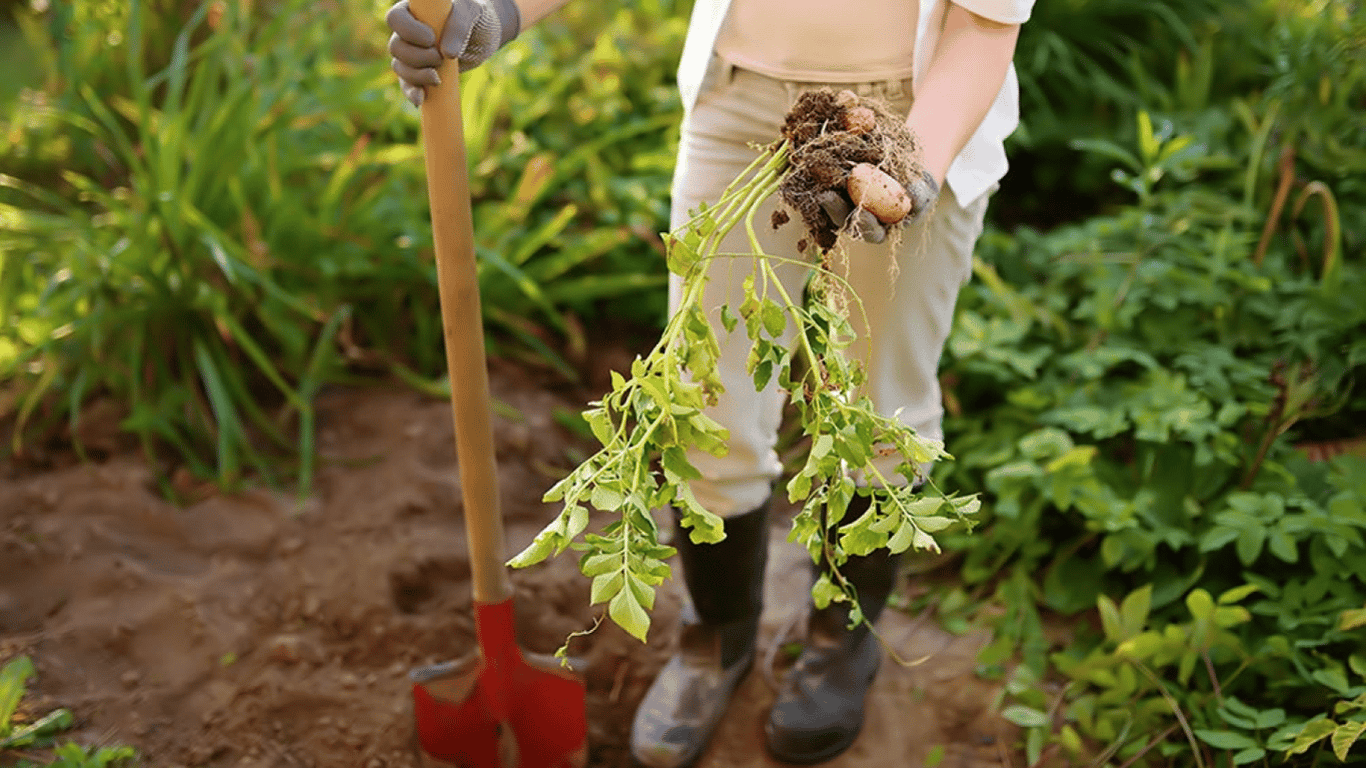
(252, 630)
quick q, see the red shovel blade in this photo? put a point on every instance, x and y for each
(500, 711)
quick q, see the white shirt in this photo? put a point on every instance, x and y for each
(982, 162)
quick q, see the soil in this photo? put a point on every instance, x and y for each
(252, 629)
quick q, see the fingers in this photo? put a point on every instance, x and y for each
(414, 93)
(867, 228)
(834, 205)
(924, 191)
(415, 77)
(404, 24)
(415, 57)
(863, 226)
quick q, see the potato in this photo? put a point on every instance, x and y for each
(860, 120)
(871, 188)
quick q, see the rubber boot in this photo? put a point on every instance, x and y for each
(819, 711)
(685, 703)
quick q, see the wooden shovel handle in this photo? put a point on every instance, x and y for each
(448, 190)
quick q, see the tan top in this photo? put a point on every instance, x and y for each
(821, 41)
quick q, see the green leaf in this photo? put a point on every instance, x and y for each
(1224, 739)
(903, 538)
(1108, 149)
(886, 523)
(1313, 732)
(1250, 541)
(606, 499)
(1282, 545)
(705, 527)
(1231, 616)
(44, 728)
(674, 459)
(1357, 663)
(933, 524)
(1147, 142)
(598, 564)
(968, 505)
(1237, 593)
(1026, 717)
(600, 424)
(1109, 619)
(825, 591)
(537, 551)
(627, 613)
(1345, 736)
(728, 318)
(924, 507)
(1141, 647)
(775, 320)
(1270, 718)
(1334, 678)
(578, 521)
(861, 540)
(643, 593)
(13, 677)
(1249, 755)
(924, 541)
(1200, 604)
(1351, 619)
(1134, 610)
(1217, 537)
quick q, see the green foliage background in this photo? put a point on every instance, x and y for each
(208, 212)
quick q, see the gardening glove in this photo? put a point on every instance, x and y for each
(864, 225)
(474, 31)
(923, 191)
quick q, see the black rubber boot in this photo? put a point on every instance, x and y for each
(819, 711)
(725, 580)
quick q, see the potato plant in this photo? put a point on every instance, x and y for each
(649, 421)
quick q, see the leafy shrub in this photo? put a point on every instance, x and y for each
(1128, 393)
(215, 210)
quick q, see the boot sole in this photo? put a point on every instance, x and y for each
(825, 755)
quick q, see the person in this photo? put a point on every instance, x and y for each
(947, 66)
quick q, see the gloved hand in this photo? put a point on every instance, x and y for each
(923, 191)
(475, 30)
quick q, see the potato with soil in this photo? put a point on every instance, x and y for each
(852, 160)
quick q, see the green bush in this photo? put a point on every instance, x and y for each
(208, 217)
(1129, 390)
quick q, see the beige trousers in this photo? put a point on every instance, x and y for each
(908, 318)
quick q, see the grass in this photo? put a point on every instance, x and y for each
(218, 215)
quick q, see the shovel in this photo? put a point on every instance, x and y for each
(496, 709)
